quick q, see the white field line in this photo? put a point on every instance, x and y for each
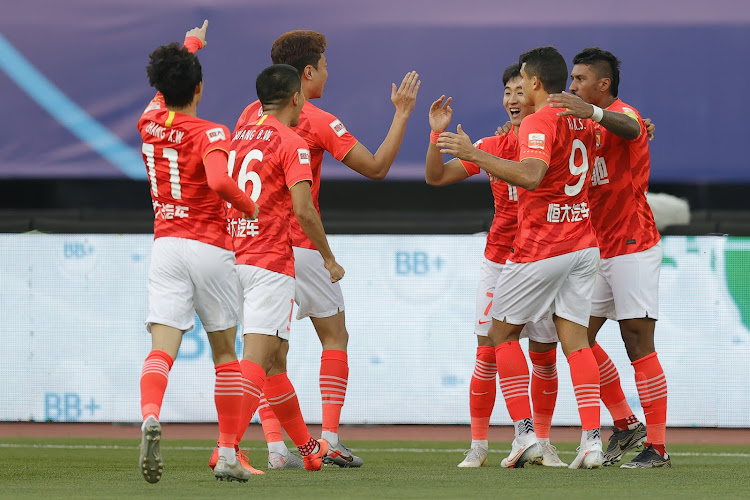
(373, 450)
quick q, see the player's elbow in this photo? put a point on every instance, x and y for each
(532, 183)
(378, 173)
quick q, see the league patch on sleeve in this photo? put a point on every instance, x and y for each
(536, 141)
(338, 127)
(476, 144)
(629, 112)
(304, 156)
(215, 134)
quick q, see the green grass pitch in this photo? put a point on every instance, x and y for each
(99, 468)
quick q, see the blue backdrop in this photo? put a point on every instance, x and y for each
(72, 79)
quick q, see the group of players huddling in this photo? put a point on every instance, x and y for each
(238, 239)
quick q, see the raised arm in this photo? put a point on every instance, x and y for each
(218, 180)
(436, 172)
(376, 166)
(619, 124)
(527, 174)
(310, 222)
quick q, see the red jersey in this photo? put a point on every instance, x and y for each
(323, 132)
(174, 148)
(267, 159)
(554, 219)
(505, 222)
(621, 216)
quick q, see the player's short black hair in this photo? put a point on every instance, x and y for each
(547, 64)
(299, 48)
(603, 63)
(277, 84)
(511, 72)
(175, 72)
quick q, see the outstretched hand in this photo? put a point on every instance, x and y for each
(458, 144)
(575, 105)
(199, 32)
(405, 96)
(441, 114)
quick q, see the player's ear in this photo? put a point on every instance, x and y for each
(308, 72)
(604, 84)
(199, 88)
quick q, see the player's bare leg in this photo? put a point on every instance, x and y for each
(638, 335)
(544, 397)
(514, 383)
(628, 432)
(334, 376)
(585, 375)
(482, 393)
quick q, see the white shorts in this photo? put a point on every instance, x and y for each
(627, 286)
(188, 277)
(562, 285)
(544, 331)
(268, 300)
(315, 295)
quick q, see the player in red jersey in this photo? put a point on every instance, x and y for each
(554, 256)
(627, 287)
(272, 163)
(192, 261)
(542, 335)
(316, 296)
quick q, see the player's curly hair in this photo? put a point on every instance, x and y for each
(547, 64)
(175, 72)
(511, 72)
(603, 63)
(299, 48)
(277, 84)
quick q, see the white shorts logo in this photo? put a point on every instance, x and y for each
(304, 156)
(338, 127)
(536, 141)
(215, 134)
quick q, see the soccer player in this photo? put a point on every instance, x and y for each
(543, 338)
(192, 261)
(554, 256)
(316, 297)
(627, 286)
(272, 163)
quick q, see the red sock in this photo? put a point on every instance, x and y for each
(652, 389)
(282, 398)
(611, 390)
(482, 392)
(271, 424)
(514, 379)
(228, 392)
(154, 376)
(585, 375)
(254, 379)
(334, 376)
(543, 390)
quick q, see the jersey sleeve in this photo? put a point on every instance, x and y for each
(295, 160)
(333, 136)
(536, 136)
(213, 136)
